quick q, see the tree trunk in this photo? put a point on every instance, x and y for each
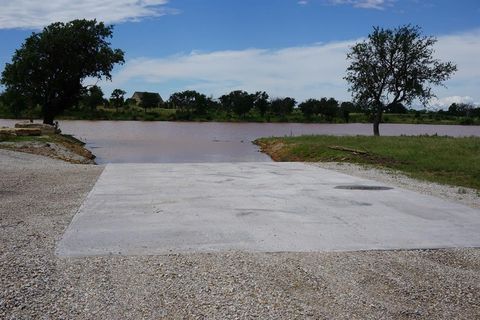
(376, 129)
(376, 123)
(48, 116)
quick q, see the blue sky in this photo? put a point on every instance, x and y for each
(286, 47)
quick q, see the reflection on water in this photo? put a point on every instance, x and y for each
(153, 142)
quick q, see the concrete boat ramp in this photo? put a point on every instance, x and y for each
(148, 209)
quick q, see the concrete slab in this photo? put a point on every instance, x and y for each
(143, 209)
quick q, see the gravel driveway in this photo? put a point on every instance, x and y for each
(39, 196)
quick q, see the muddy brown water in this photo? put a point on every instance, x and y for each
(164, 142)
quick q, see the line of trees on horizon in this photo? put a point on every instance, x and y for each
(191, 104)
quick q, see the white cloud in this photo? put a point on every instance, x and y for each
(36, 14)
(464, 50)
(301, 72)
(461, 49)
(445, 102)
(364, 4)
(303, 2)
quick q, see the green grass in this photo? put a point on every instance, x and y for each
(447, 160)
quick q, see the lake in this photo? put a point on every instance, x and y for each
(164, 142)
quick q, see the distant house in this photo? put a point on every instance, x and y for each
(137, 97)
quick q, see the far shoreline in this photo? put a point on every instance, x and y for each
(38, 120)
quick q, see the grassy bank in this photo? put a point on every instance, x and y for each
(446, 160)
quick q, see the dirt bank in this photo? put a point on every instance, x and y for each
(56, 146)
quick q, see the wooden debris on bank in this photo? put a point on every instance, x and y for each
(354, 151)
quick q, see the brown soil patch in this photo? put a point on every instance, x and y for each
(55, 146)
(275, 149)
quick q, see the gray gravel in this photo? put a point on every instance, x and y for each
(39, 196)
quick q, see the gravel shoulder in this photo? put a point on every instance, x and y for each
(39, 196)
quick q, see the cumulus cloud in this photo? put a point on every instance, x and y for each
(35, 14)
(301, 72)
(464, 50)
(461, 49)
(364, 4)
(445, 102)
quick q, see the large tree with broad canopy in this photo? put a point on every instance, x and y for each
(51, 65)
(394, 66)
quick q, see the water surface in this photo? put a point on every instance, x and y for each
(163, 142)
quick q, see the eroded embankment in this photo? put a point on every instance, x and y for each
(56, 146)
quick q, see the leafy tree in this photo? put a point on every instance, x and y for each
(328, 108)
(394, 66)
(93, 97)
(150, 100)
(213, 105)
(189, 101)
(51, 65)
(184, 100)
(130, 102)
(226, 103)
(396, 108)
(261, 102)
(350, 106)
(475, 112)
(117, 98)
(346, 108)
(14, 101)
(461, 109)
(202, 103)
(240, 102)
(309, 107)
(283, 107)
